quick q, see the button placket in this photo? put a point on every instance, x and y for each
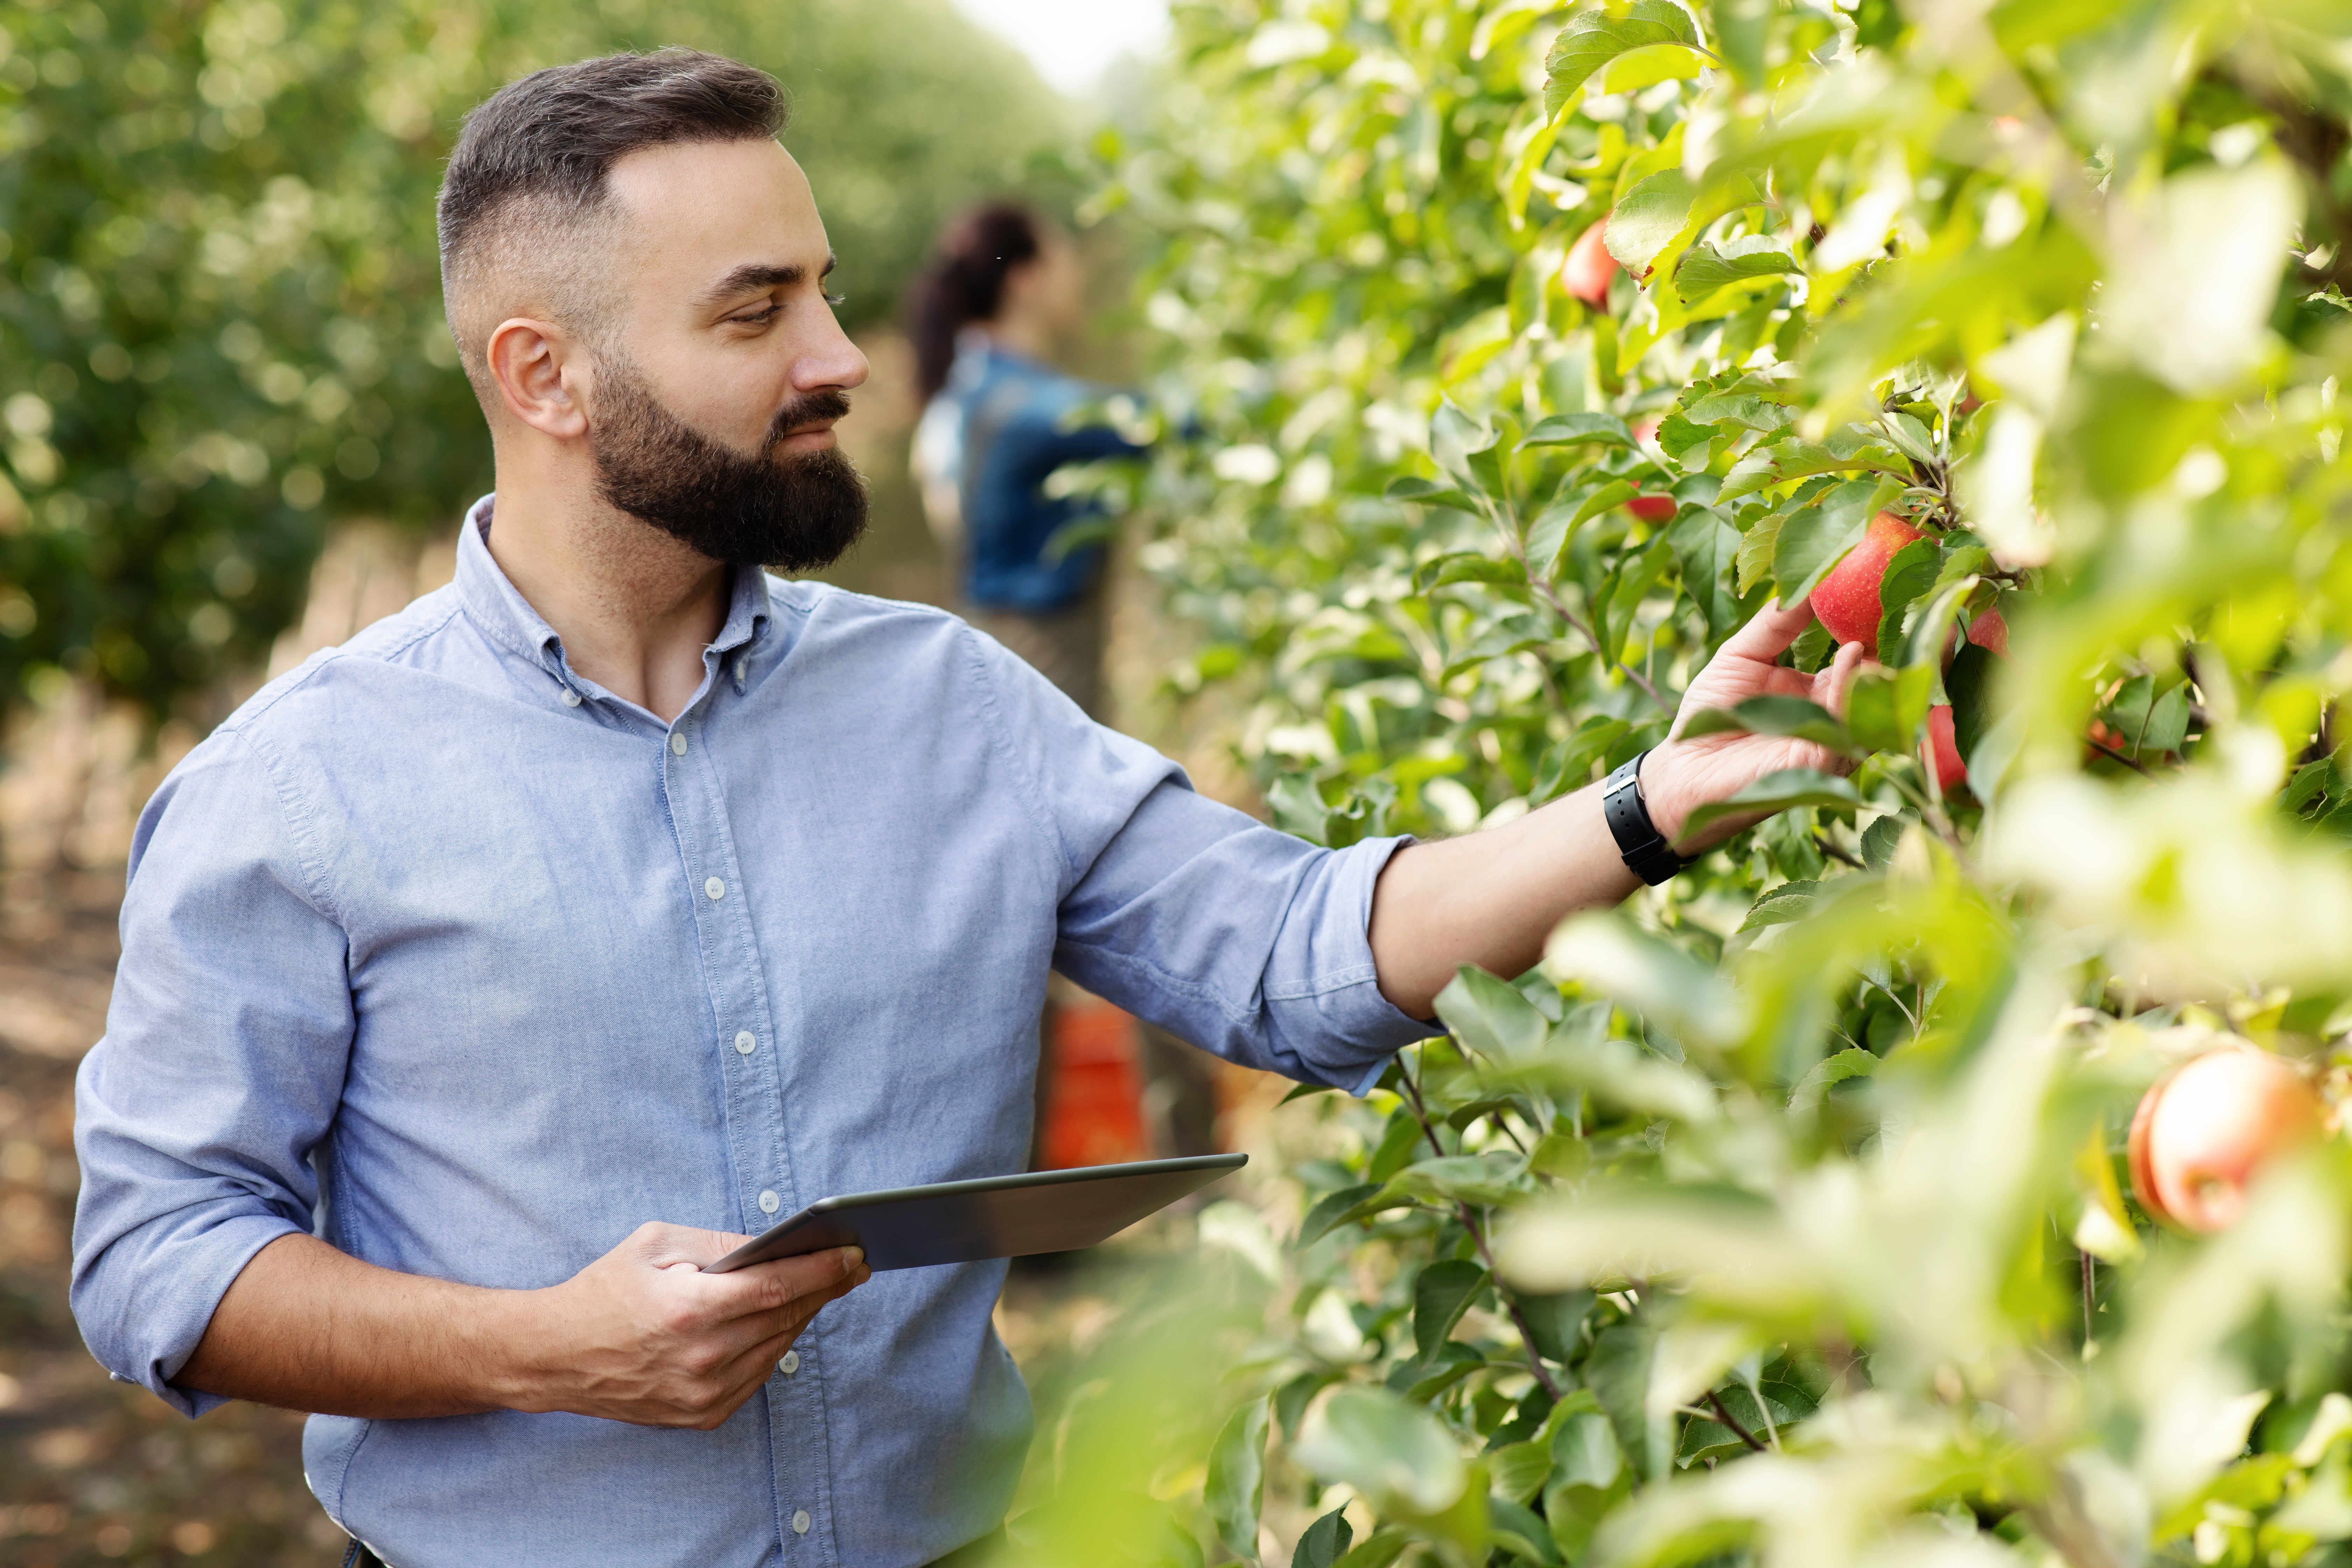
(760, 1155)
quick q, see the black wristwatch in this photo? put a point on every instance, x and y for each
(1647, 853)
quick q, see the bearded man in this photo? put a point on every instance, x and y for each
(484, 977)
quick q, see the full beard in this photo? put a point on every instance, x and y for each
(794, 512)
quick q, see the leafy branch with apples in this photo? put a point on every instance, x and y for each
(1942, 1171)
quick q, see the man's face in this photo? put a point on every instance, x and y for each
(715, 392)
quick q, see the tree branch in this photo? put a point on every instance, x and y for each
(1742, 1433)
(1477, 1233)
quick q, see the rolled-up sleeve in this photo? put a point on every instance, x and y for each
(1245, 941)
(221, 1067)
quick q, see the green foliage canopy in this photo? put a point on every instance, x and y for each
(220, 319)
(1778, 1218)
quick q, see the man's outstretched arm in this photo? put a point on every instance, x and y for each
(1491, 899)
(640, 1335)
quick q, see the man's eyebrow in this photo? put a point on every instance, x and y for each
(753, 276)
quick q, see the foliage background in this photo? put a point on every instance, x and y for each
(220, 326)
(1780, 1219)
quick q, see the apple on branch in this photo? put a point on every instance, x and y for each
(1649, 509)
(2206, 1128)
(1587, 272)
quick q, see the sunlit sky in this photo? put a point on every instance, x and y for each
(1070, 41)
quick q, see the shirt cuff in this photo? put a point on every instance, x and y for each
(1362, 1012)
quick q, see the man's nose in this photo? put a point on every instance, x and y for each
(836, 361)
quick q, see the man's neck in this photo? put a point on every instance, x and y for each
(635, 607)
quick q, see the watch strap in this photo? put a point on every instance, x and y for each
(1644, 849)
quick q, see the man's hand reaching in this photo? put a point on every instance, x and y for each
(1683, 774)
(1490, 899)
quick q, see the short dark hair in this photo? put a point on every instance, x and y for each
(540, 149)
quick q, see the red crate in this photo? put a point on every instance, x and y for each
(1094, 1088)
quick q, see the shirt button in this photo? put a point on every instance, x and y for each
(570, 697)
(770, 1203)
(715, 889)
(791, 1364)
(800, 1521)
(745, 1043)
(677, 744)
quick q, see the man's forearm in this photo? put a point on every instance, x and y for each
(306, 1327)
(1490, 899)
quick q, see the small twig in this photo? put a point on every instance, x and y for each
(1836, 852)
(1742, 1433)
(2132, 762)
(1470, 1223)
(1544, 591)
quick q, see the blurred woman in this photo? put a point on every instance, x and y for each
(1001, 297)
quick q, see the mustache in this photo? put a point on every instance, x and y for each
(816, 407)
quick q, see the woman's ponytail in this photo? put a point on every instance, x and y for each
(964, 282)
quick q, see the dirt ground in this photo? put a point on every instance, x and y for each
(93, 1471)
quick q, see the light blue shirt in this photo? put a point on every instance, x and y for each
(445, 951)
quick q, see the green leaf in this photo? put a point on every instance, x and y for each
(1441, 1294)
(1744, 410)
(1555, 1323)
(1774, 715)
(1466, 566)
(1968, 683)
(1879, 839)
(1491, 1016)
(1423, 491)
(1480, 1179)
(1706, 548)
(1705, 269)
(1634, 580)
(1326, 1542)
(1379, 1549)
(1752, 562)
(1924, 643)
(1780, 906)
(2168, 720)
(1518, 1470)
(1235, 1493)
(1399, 1455)
(1298, 808)
(1399, 1140)
(1593, 38)
(1333, 1210)
(1910, 573)
(1778, 792)
(1521, 1531)
(1574, 429)
(1649, 218)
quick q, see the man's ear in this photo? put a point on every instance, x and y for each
(541, 375)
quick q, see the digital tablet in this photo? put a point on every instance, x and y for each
(995, 1216)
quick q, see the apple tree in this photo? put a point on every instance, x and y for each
(1785, 1215)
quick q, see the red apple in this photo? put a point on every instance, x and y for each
(1943, 750)
(2205, 1129)
(1589, 266)
(1847, 599)
(1651, 508)
(1989, 632)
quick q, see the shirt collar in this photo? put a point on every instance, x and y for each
(500, 610)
